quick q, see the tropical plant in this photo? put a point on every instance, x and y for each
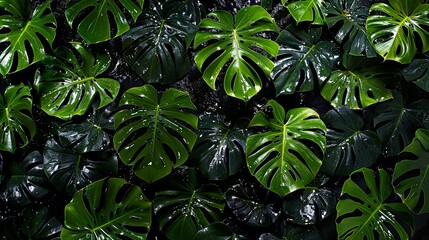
(219, 231)
(307, 10)
(418, 72)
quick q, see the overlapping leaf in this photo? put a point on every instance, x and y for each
(220, 231)
(307, 10)
(418, 72)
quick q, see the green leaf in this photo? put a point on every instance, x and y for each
(302, 60)
(352, 14)
(23, 32)
(70, 171)
(190, 9)
(307, 10)
(218, 231)
(410, 177)
(293, 231)
(396, 29)
(17, 126)
(349, 146)
(289, 155)
(183, 207)
(154, 134)
(220, 150)
(231, 44)
(368, 210)
(69, 84)
(418, 72)
(156, 48)
(24, 180)
(108, 209)
(97, 20)
(396, 122)
(312, 206)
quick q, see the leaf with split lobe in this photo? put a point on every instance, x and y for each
(418, 72)
(307, 10)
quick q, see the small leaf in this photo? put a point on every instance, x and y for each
(307, 10)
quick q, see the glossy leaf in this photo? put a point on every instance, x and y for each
(190, 9)
(397, 28)
(220, 150)
(367, 209)
(183, 206)
(303, 61)
(154, 134)
(24, 32)
(411, 178)
(99, 21)
(17, 127)
(350, 147)
(289, 155)
(307, 11)
(230, 46)
(396, 122)
(24, 180)
(71, 82)
(418, 72)
(70, 171)
(312, 206)
(218, 231)
(108, 209)
(293, 231)
(351, 15)
(156, 47)
(89, 136)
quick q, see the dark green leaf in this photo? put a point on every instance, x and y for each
(367, 209)
(307, 10)
(349, 146)
(70, 84)
(183, 206)
(299, 232)
(289, 155)
(190, 9)
(97, 20)
(24, 32)
(108, 209)
(217, 231)
(418, 72)
(230, 47)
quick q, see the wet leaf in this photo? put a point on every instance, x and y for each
(218, 231)
(299, 232)
(418, 72)
(307, 10)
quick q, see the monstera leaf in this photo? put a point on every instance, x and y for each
(156, 47)
(307, 10)
(17, 127)
(24, 32)
(24, 181)
(349, 146)
(352, 14)
(367, 209)
(99, 20)
(183, 206)
(396, 34)
(89, 136)
(70, 171)
(108, 209)
(231, 45)
(396, 122)
(410, 178)
(302, 60)
(219, 149)
(70, 84)
(218, 231)
(360, 85)
(289, 155)
(154, 134)
(418, 72)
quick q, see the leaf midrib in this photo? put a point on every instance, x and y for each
(111, 222)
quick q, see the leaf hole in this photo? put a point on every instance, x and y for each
(355, 213)
(358, 179)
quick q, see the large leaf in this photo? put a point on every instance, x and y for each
(190, 9)
(17, 127)
(102, 20)
(411, 178)
(307, 10)
(368, 210)
(183, 207)
(156, 47)
(220, 150)
(360, 85)
(289, 155)
(232, 44)
(352, 14)
(418, 72)
(70, 84)
(303, 60)
(108, 209)
(70, 171)
(396, 34)
(24, 32)
(154, 134)
(218, 231)
(24, 180)
(350, 147)
(396, 122)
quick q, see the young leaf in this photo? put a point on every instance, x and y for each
(289, 155)
(307, 10)
(232, 40)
